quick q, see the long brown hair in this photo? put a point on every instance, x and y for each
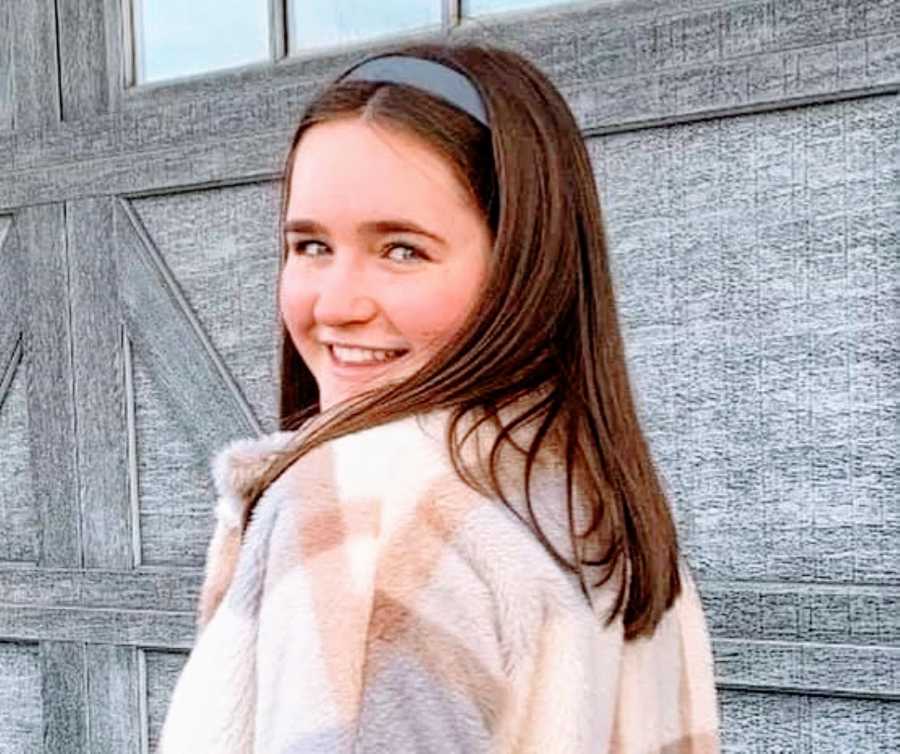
(546, 324)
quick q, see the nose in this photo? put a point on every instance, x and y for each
(343, 296)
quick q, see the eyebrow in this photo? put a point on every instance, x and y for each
(302, 225)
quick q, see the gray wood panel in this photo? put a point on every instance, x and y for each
(757, 265)
(114, 700)
(162, 669)
(174, 491)
(107, 525)
(35, 64)
(18, 518)
(222, 246)
(51, 412)
(21, 710)
(833, 670)
(82, 49)
(187, 404)
(620, 67)
(816, 613)
(174, 590)
(64, 696)
(185, 362)
(762, 722)
(141, 628)
(757, 262)
(12, 277)
(257, 157)
(118, 51)
(6, 73)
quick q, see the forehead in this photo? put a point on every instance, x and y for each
(356, 165)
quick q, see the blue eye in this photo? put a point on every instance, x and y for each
(309, 248)
(404, 253)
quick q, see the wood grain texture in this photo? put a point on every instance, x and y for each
(64, 696)
(834, 670)
(124, 627)
(83, 61)
(51, 412)
(21, 708)
(12, 280)
(756, 262)
(35, 64)
(162, 670)
(161, 321)
(117, 51)
(815, 613)
(7, 104)
(645, 62)
(19, 520)
(619, 68)
(222, 246)
(113, 699)
(175, 495)
(174, 590)
(99, 385)
(187, 404)
(257, 157)
(18, 515)
(765, 722)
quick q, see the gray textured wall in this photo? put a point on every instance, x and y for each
(747, 156)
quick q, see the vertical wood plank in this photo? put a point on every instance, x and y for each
(6, 43)
(113, 700)
(278, 29)
(19, 523)
(21, 724)
(83, 59)
(64, 694)
(12, 280)
(35, 63)
(99, 385)
(118, 45)
(51, 411)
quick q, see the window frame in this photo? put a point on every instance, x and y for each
(450, 18)
(279, 42)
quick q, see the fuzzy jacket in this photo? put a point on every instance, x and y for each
(376, 603)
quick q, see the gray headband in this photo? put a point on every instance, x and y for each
(434, 78)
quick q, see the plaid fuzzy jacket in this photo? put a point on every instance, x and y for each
(378, 604)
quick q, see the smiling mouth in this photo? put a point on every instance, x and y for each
(353, 356)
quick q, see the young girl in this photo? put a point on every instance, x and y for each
(459, 542)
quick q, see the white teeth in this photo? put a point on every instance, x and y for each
(362, 355)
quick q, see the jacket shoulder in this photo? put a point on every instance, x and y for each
(237, 466)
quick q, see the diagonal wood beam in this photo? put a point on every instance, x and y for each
(183, 358)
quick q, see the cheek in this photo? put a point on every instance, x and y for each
(430, 315)
(295, 302)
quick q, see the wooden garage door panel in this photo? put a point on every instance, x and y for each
(222, 248)
(21, 708)
(183, 360)
(799, 723)
(756, 263)
(174, 491)
(198, 275)
(6, 92)
(162, 670)
(19, 520)
(18, 516)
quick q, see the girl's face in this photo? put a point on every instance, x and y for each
(386, 255)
